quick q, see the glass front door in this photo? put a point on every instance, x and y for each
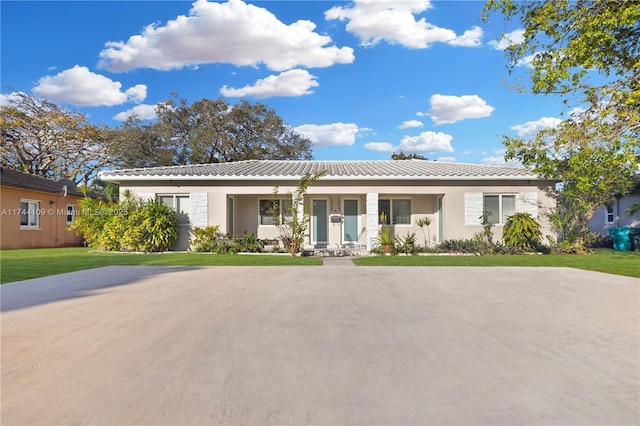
(350, 222)
(319, 221)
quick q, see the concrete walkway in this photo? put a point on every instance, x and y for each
(330, 345)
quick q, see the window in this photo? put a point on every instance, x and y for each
(269, 208)
(179, 203)
(499, 207)
(29, 214)
(397, 211)
(610, 214)
(71, 212)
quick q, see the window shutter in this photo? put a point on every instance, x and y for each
(527, 202)
(473, 208)
(199, 210)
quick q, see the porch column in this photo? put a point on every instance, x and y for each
(372, 219)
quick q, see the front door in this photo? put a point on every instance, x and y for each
(319, 219)
(350, 223)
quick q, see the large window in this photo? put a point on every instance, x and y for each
(29, 214)
(396, 210)
(270, 208)
(179, 203)
(499, 207)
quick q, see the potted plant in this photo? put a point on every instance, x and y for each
(386, 236)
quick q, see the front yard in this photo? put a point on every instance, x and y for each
(17, 265)
(601, 260)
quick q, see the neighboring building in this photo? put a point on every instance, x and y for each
(35, 212)
(345, 205)
(614, 215)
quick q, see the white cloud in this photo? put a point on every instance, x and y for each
(426, 142)
(500, 161)
(379, 146)
(294, 82)
(81, 87)
(231, 32)
(394, 21)
(449, 109)
(446, 159)
(530, 128)
(137, 93)
(411, 124)
(508, 39)
(470, 38)
(144, 112)
(334, 134)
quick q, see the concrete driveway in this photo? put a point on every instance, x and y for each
(336, 344)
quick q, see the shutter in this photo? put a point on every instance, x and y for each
(473, 208)
(199, 209)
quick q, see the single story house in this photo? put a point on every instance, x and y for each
(346, 204)
(614, 215)
(35, 211)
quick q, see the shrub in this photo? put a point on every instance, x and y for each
(130, 225)
(205, 239)
(160, 226)
(408, 244)
(522, 232)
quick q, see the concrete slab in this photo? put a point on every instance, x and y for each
(330, 345)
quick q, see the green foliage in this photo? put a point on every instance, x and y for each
(473, 245)
(486, 236)
(403, 156)
(205, 239)
(129, 225)
(422, 222)
(521, 231)
(294, 230)
(586, 52)
(209, 239)
(408, 244)
(94, 213)
(206, 131)
(160, 226)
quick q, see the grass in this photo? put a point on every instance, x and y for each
(601, 260)
(17, 265)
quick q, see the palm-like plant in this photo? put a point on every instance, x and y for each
(425, 221)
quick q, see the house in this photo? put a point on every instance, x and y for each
(614, 215)
(35, 211)
(346, 204)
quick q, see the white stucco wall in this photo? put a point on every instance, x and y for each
(459, 208)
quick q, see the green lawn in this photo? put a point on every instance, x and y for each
(602, 260)
(16, 265)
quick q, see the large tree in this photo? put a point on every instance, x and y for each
(209, 131)
(45, 139)
(587, 52)
(140, 143)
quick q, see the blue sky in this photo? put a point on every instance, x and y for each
(361, 79)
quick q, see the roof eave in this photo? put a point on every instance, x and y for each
(174, 178)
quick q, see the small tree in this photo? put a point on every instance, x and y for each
(293, 231)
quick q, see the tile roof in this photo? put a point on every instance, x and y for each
(18, 179)
(336, 170)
